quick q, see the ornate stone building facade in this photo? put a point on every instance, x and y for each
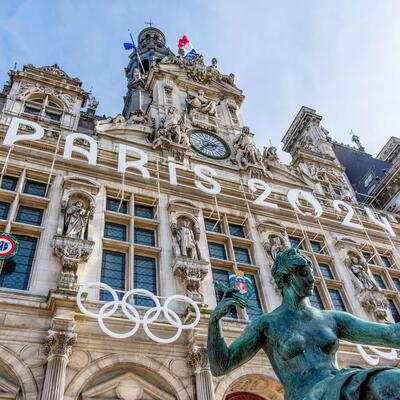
(169, 196)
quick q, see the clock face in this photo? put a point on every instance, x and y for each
(209, 145)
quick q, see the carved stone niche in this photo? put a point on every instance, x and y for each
(273, 237)
(188, 263)
(369, 294)
(72, 244)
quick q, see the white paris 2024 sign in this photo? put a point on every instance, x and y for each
(204, 174)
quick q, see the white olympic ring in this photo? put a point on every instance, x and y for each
(150, 316)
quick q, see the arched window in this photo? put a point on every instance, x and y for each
(44, 107)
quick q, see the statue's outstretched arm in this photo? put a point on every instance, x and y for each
(223, 358)
(356, 330)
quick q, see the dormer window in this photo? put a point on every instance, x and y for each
(44, 107)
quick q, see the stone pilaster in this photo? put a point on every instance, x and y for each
(58, 348)
(198, 360)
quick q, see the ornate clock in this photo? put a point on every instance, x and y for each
(209, 145)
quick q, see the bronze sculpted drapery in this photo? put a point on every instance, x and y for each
(301, 341)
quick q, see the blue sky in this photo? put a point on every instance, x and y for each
(340, 57)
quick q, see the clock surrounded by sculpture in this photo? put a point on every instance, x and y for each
(209, 145)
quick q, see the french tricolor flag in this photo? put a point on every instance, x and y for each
(185, 44)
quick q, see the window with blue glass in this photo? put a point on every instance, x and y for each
(316, 300)
(217, 250)
(254, 309)
(387, 263)
(236, 230)
(9, 182)
(394, 311)
(316, 247)
(379, 280)
(221, 276)
(144, 211)
(29, 215)
(35, 188)
(212, 225)
(112, 273)
(396, 282)
(117, 205)
(16, 270)
(242, 255)
(145, 277)
(368, 257)
(4, 207)
(325, 271)
(145, 237)
(337, 300)
(296, 242)
(115, 231)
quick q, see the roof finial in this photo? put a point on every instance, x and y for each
(356, 140)
(150, 23)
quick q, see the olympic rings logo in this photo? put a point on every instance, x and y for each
(130, 312)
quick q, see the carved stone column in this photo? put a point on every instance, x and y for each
(198, 360)
(58, 348)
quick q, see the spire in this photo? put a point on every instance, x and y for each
(151, 45)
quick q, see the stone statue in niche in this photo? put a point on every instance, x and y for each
(76, 220)
(301, 341)
(245, 150)
(186, 237)
(200, 103)
(370, 295)
(270, 156)
(360, 270)
(275, 245)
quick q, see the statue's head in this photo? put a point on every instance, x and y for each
(292, 269)
(79, 204)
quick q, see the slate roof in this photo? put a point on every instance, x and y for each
(358, 164)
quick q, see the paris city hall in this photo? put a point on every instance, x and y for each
(119, 233)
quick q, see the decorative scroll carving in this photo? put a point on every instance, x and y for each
(59, 343)
(26, 89)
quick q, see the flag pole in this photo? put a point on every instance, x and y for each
(137, 51)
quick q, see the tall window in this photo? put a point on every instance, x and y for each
(29, 215)
(145, 277)
(144, 211)
(112, 273)
(387, 262)
(117, 205)
(212, 225)
(145, 237)
(4, 207)
(44, 107)
(222, 276)
(236, 230)
(9, 182)
(337, 300)
(325, 271)
(35, 188)
(255, 309)
(316, 300)
(394, 311)
(296, 242)
(242, 255)
(115, 231)
(16, 270)
(217, 250)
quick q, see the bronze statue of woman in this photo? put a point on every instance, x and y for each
(301, 341)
